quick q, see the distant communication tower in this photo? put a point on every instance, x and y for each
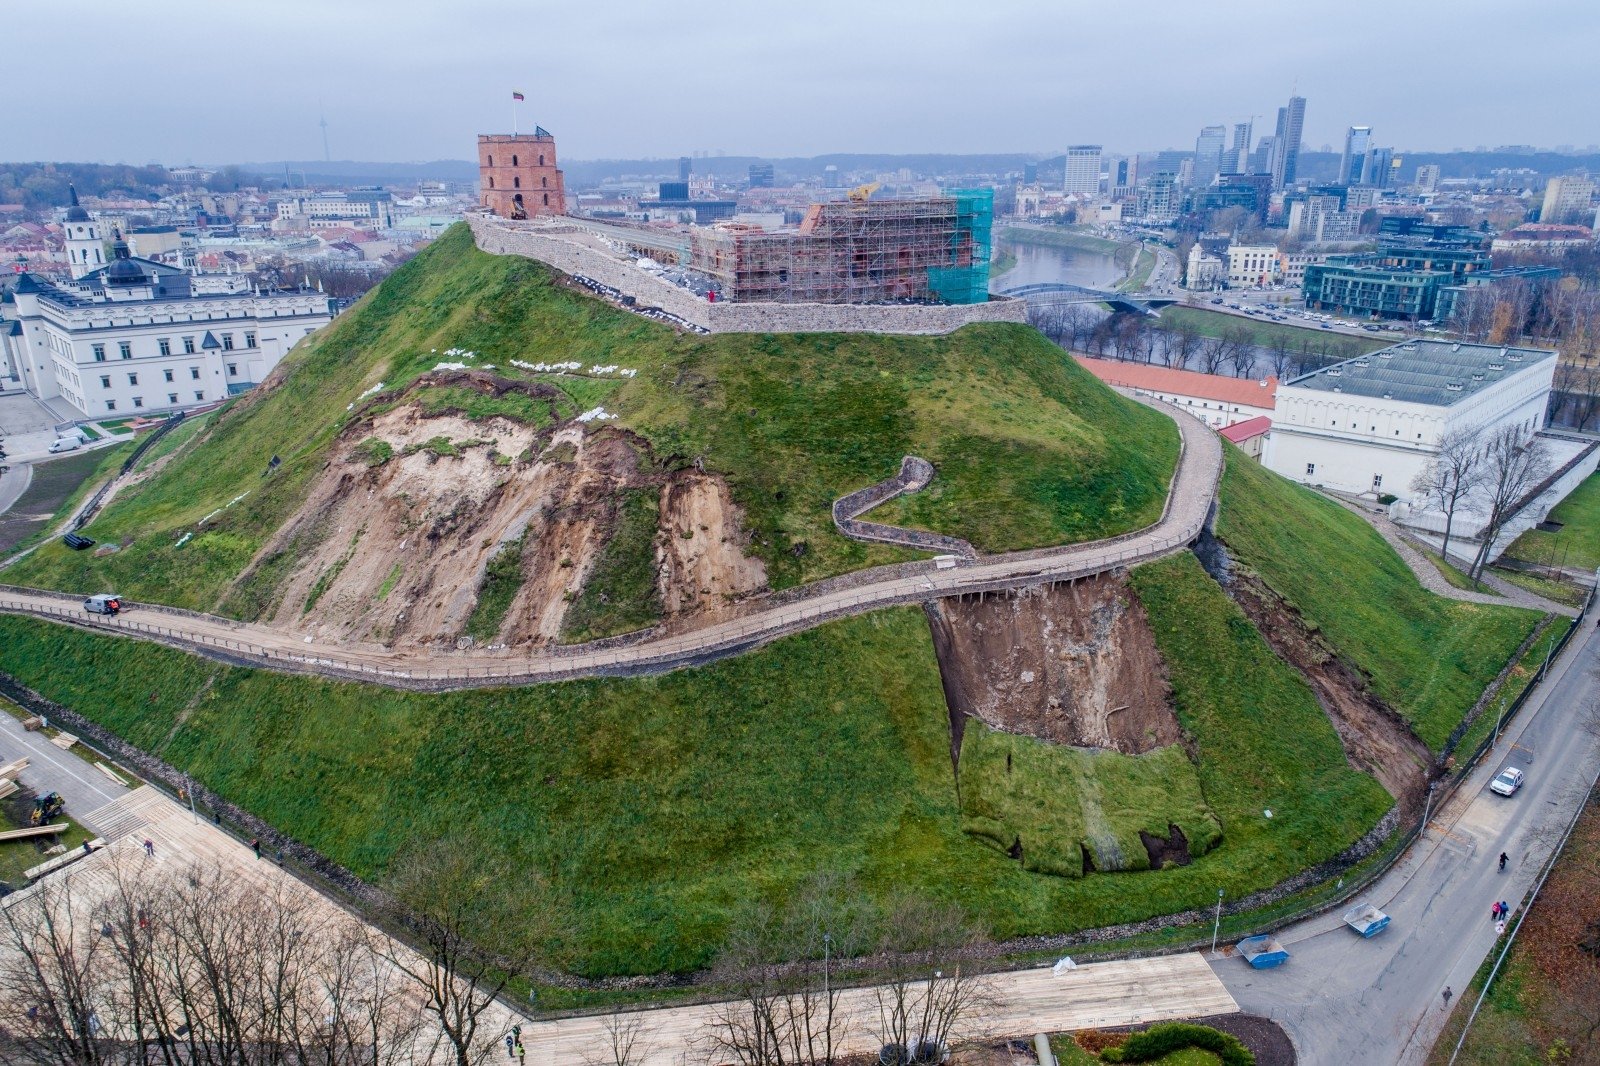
(323, 122)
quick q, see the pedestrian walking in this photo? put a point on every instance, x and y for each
(255, 846)
(1447, 995)
(149, 848)
(511, 1047)
(1505, 909)
(1504, 858)
(1494, 911)
(522, 1054)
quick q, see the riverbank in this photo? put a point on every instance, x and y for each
(1210, 323)
(1076, 240)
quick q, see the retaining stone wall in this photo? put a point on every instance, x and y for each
(544, 243)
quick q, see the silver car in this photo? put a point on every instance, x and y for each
(1509, 780)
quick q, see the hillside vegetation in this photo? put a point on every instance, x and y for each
(657, 805)
(1031, 451)
(1428, 657)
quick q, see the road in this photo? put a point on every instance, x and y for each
(1189, 500)
(52, 770)
(1378, 1002)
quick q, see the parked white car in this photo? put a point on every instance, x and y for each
(1509, 780)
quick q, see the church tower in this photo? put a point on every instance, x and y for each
(85, 250)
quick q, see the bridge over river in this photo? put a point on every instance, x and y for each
(1063, 292)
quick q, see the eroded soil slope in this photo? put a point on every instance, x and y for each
(1070, 664)
(395, 540)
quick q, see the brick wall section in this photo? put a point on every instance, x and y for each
(915, 474)
(543, 241)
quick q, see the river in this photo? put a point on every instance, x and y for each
(1043, 263)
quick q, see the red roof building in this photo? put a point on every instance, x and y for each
(1216, 399)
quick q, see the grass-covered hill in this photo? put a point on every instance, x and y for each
(656, 806)
(1427, 657)
(1031, 451)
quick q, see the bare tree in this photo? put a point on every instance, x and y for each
(1182, 341)
(1213, 353)
(1514, 462)
(935, 991)
(625, 1042)
(788, 1012)
(453, 907)
(1453, 475)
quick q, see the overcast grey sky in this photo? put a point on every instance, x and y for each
(222, 80)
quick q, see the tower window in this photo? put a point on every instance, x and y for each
(541, 161)
(547, 199)
(516, 182)
(491, 183)
(491, 161)
(545, 182)
(513, 160)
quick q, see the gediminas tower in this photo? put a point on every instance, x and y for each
(517, 175)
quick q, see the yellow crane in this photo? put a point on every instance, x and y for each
(862, 193)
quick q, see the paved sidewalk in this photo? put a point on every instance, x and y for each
(1432, 580)
(52, 770)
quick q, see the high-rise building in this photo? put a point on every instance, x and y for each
(830, 177)
(761, 176)
(1286, 142)
(1567, 200)
(1379, 167)
(685, 167)
(1237, 158)
(1353, 162)
(1261, 158)
(1208, 148)
(1030, 173)
(1083, 170)
(1428, 177)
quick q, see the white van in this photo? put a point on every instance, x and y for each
(65, 444)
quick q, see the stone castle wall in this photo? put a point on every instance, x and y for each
(542, 241)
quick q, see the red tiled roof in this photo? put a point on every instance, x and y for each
(1257, 392)
(1240, 432)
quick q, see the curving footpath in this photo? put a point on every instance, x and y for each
(1189, 499)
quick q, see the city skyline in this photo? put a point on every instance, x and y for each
(1027, 77)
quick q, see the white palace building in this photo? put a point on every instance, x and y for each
(133, 335)
(1373, 423)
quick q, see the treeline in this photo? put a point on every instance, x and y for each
(1182, 346)
(42, 186)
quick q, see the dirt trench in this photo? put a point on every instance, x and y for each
(700, 554)
(1073, 664)
(1375, 738)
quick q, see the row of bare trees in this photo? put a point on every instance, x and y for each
(122, 966)
(1488, 473)
(1140, 339)
(928, 991)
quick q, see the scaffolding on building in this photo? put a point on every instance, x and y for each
(930, 250)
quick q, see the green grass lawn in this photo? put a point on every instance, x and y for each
(1451, 573)
(1140, 275)
(1002, 262)
(1430, 658)
(172, 440)
(1560, 591)
(1031, 450)
(1063, 237)
(1210, 323)
(1578, 542)
(657, 805)
(57, 487)
(1013, 790)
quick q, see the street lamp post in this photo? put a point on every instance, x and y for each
(1216, 924)
(1426, 807)
(1498, 723)
(827, 943)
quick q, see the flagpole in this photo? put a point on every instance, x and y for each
(513, 116)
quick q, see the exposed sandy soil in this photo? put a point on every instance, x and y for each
(1072, 664)
(400, 550)
(1376, 739)
(701, 550)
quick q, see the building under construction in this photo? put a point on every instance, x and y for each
(857, 251)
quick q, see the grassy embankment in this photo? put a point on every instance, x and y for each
(1430, 658)
(1139, 276)
(1577, 543)
(1002, 262)
(1210, 323)
(57, 487)
(1031, 450)
(1076, 240)
(657, 805)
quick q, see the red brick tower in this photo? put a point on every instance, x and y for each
(517, 175)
